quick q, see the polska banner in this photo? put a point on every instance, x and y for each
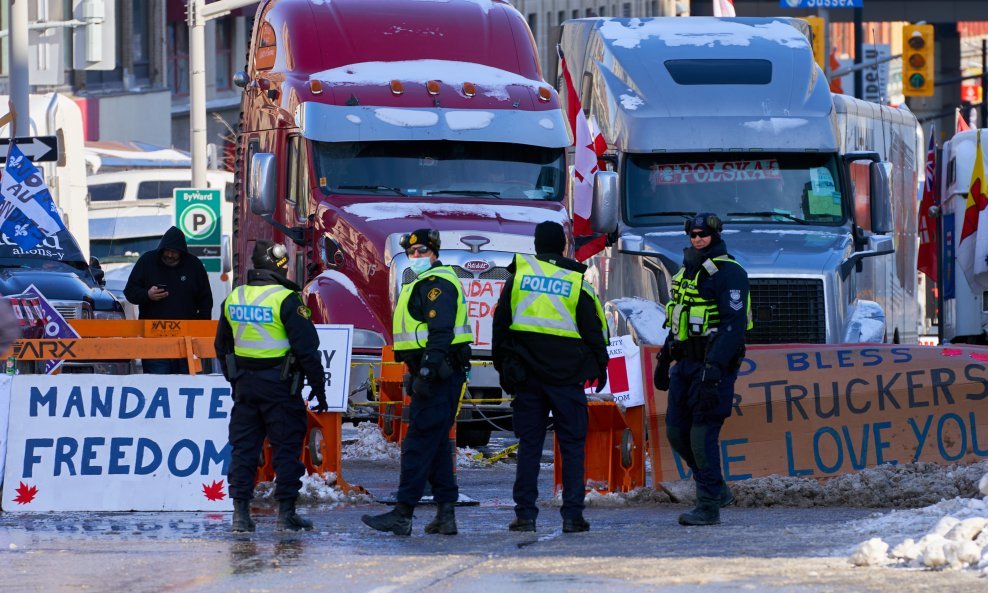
(28, 213)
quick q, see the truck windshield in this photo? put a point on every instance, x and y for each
(122, 250)
(761, 188)
(420, 169)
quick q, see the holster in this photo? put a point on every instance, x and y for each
(696, 348)
(735, 364)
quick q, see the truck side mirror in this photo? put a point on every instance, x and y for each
(263, 187)
(881, 197)
(604, 212)
(226, 255)
(97, 271)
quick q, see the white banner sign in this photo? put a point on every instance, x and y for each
(624, 377)
(112, 443)
(481, 296)
(334, 346)
(4, 410)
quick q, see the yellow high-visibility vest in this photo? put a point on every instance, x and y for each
(254, 313)
(409, 333)
(690, 315)
(544, 298)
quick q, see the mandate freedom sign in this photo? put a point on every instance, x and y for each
(117, 442)
(817, 411)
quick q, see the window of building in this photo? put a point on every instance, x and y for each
(589, 12)
(224, 53)
(602, 11)
(178, 58)
(561, 17)
(626, 10)
(140, 40)
(655, 7)
(576, 13)
(533, 21)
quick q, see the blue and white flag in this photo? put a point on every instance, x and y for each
(27, 213)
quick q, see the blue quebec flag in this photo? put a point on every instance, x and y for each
(27, 213)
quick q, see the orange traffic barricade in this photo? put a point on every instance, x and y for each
(615, 449)
(391, 396)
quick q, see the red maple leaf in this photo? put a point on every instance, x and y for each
(214, 491)
(25, 493)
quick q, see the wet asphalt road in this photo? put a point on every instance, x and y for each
(629, 549)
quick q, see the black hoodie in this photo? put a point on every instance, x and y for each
(189, 295)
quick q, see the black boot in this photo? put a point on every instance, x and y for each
(445, 521)
(707, 512)
(726, 497)
(575, 525)
(398, 520)
(241, 516)
(288, 519)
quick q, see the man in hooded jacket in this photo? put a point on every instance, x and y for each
(707, 315)
(169, 283)
(549, 337)
(266, 343)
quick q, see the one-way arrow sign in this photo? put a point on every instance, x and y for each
(36, 148)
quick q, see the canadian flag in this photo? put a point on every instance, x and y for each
(926, 259)
(589, 146)
(724, 8)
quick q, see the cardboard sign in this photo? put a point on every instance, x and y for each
(334, 349)
(113, 443)
(481, 296)
(818, 411)
(625, 386)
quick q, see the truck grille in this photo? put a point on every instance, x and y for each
(787, 311)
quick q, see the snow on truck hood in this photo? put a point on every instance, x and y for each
(395, 210)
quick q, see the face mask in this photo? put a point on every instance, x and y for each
(419, 264)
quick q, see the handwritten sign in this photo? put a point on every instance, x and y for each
(481, 296)
(111, 443)
(334, 349)
(818, 411)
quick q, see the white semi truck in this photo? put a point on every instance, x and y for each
(817, 191)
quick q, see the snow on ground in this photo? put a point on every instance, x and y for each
(370, 445)
(316, 489)
(952, 534)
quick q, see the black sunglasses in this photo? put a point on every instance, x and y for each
(700, 234)
(417, 249)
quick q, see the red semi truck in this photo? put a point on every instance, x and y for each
(366, 119)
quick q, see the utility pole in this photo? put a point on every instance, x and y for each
(198, 13)
(824, 13)
(20, 86)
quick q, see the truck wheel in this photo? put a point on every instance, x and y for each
(627, 448)
(472, 437)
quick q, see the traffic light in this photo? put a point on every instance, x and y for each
(917, 60)
(818, 40)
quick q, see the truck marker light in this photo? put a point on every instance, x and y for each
(315, 87)
(433, 87)
(469, 89)
(396, 87)
(544, 94)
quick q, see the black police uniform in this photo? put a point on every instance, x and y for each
(701, 383)
(426, 453)
(547, 373)
(265, 405)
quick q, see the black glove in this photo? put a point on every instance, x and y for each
(601, 382)
(422, 385)
(320, 397)
(660, 377)
(708, 396)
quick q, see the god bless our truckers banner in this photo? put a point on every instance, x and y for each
(102, 442)
(818, 411)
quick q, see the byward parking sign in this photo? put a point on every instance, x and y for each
(821, 3)
(197, 214)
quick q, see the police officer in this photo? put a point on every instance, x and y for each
(707, 316)
(266, 342)
(549, 337)
(432, 337)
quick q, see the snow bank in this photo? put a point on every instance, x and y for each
(957, 540)
(316, 489)
(370, 445)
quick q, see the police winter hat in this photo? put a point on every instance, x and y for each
(427, 237)
(705, 221)
(549, 237)
(270, 256)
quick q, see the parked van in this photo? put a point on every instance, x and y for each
(129, 211)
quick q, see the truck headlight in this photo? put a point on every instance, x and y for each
(108, 315)
(365, 338)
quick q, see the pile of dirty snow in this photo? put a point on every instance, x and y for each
(370, 445)
(952, 534)
(316, 489)
(906, 485)
(598, 498)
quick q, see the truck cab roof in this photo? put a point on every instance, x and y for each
(765, 65)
